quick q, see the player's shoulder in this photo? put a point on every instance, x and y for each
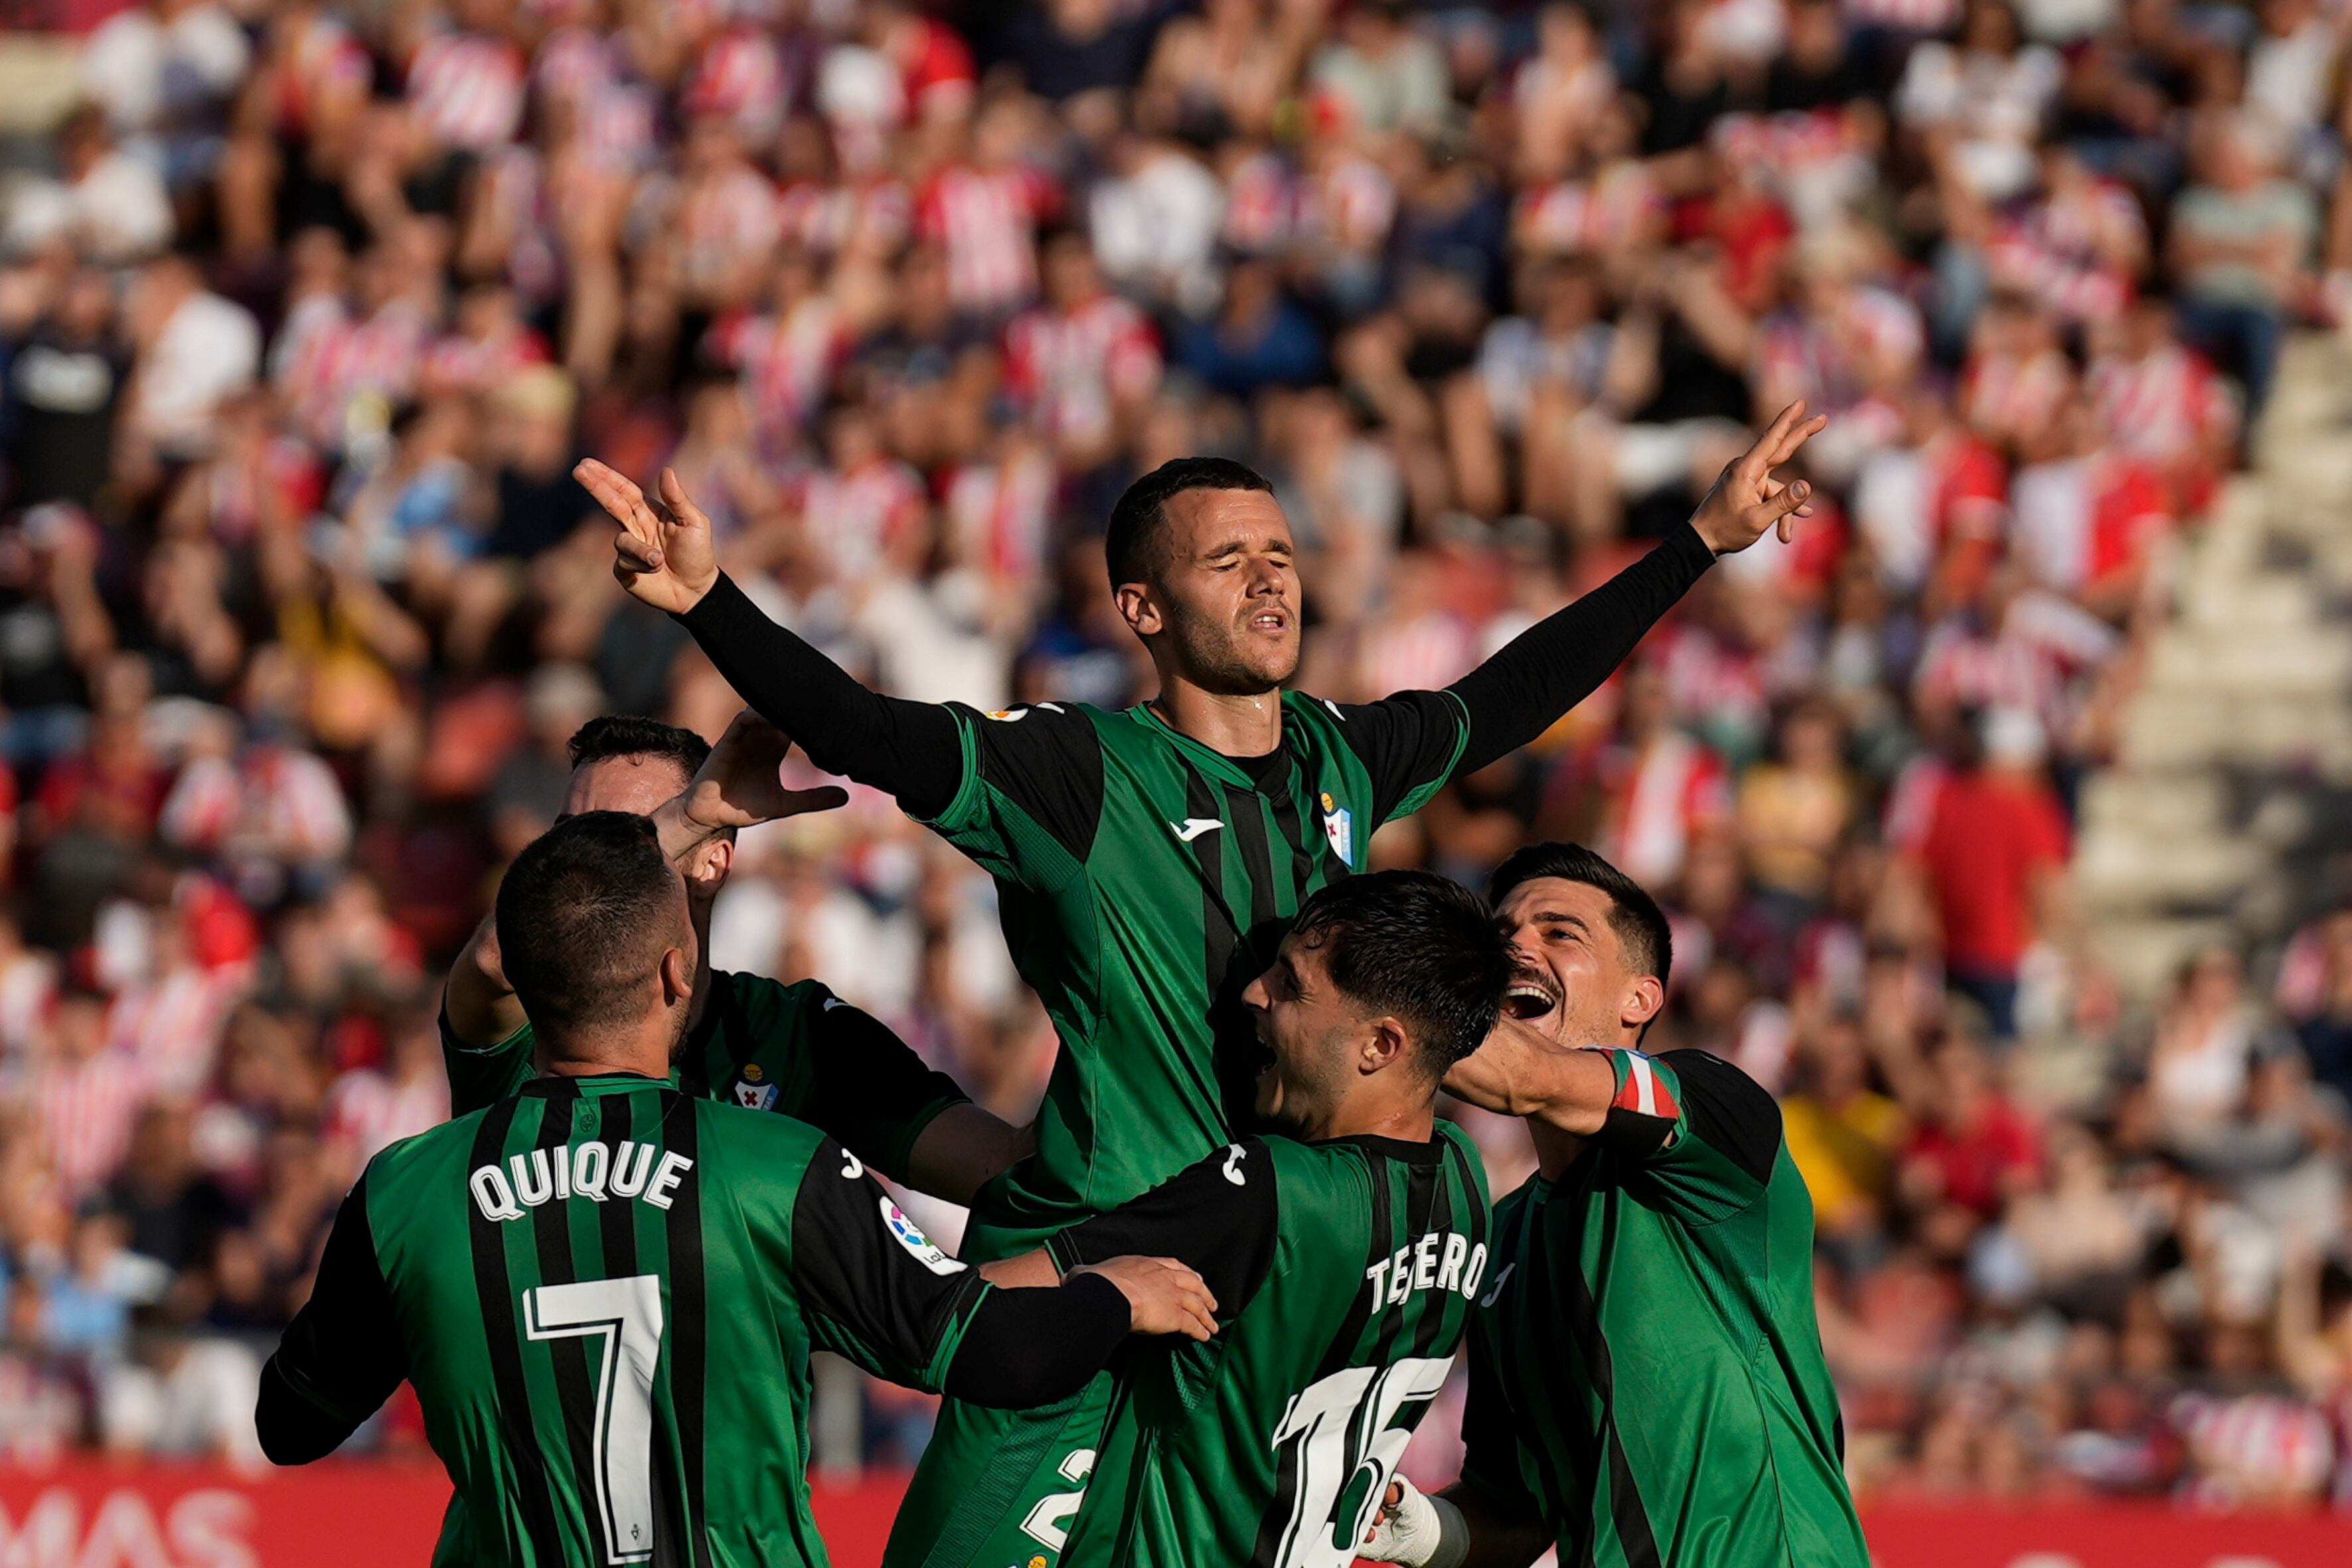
(424, 1155)
(767, 1000)
(1727, 1108)
(770, 1140)
(1031, 717)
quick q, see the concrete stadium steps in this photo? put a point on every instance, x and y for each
(2231, 788)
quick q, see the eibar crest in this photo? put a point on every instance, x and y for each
(754, 1096)
(1339, 828)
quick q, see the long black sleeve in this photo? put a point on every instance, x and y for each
(910, 750)
(342, 1355)
(1562, 660)
(1026, 1348)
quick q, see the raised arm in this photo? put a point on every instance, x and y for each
(341, 1357)
(1519, 1072)
(664, 556)
(1553, 665)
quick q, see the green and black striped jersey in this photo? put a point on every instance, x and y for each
(1144, 880)
(796, 1050)
(1344, 1273)
(605, 1294)
(1647, 1369)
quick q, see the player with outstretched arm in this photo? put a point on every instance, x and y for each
(606, 1292)
(1149, 860)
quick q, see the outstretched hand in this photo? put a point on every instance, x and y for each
(1746, 501)
(741, 784)
(665, 555)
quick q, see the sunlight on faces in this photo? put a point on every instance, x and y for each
(1317, 1036)
(1574, 982)
(1223, 591)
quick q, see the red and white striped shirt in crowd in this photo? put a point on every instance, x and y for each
(1349, 201)
(717, 222)
(326, 359)
(171, 1026)
(466, 89)
(367, 1111)
(2058, 251)
(464, 364)
(1655, 801)
(2268, 1444)
(853, 521)
(937, 76)
(739, 78)
(1715, 685)
(868, 218)
(283, 799)
(2030, 662)
(325, 62)
(1000, 513)
(1263, 202)
(84, 1110)
(786, 362)
(986, 220)
(614, 118)
(1069, 369)
(1618, 205)
(2162, 405)
(2087, 521)
(1833, 361)
(2009, 396)
(1419, 653)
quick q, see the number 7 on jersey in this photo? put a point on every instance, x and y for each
(627, 1315)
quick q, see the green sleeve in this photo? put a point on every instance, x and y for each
(1031, 795)
(481, 1075)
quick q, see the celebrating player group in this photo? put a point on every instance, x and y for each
(1204, 1299)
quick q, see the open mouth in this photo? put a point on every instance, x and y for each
(1531, 997)
(1272, 622)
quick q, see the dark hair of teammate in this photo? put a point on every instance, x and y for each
(627, 735)
(1417, 945)
(1639, 924)
(1131, 543)
(584, 915)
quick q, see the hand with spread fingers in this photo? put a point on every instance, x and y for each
(665, 555)
(742, 784)
(1745, 502)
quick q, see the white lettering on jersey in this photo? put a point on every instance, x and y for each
(588, 1171)
(1440, 1260)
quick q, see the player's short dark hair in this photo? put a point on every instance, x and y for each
(1418, 945)
(1640, 926)
(584, 915)
(626, 735)
(1131, 543)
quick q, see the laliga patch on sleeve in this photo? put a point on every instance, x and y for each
(908, 1235)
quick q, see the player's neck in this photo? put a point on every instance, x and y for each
(1230, 725)
(1375, 1118)
(646, 1055)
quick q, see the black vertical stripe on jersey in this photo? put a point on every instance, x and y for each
(500, 1330)
(1337, 1354)
(689, 1360)
(1420, 1185)
(1635, 1539)
(1221, 934)
(616, 1220)
(1247, 810)
(1312, 846)
(1550, 1400)
(1287, 823)
(1437, 1305)
(551, 1230)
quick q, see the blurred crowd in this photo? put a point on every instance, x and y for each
(307, 310)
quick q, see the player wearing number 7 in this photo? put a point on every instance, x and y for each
(606, 1292)
(1346, 1248)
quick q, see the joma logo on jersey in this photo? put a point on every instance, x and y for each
(586, 1170)
(1442, 1261)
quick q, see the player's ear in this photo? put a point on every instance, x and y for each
(1385, 1045)
(1138, 609)
(677, 976)
(1643, 1000)
(707, 865)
